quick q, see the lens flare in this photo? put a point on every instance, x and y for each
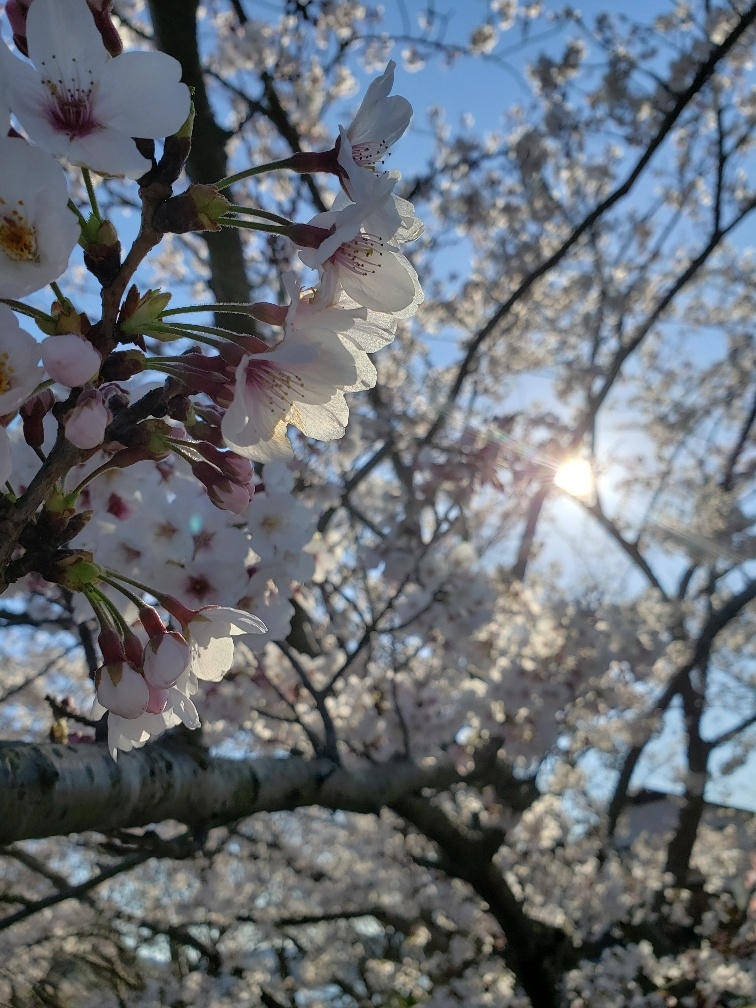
(575, 477)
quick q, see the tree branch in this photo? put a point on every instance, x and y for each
(704, 73)
(531, 948)
(51, 790)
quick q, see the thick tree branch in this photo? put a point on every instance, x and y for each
(52, 790)
(532, 949)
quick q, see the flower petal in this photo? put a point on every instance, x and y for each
(62, 34)
(140, 94)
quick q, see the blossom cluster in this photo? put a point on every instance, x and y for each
(148, 528)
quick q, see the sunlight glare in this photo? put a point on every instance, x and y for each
(575, 477)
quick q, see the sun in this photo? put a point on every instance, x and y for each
(575, 477)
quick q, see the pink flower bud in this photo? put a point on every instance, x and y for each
(230, 496)
(85, 426)
(166, 657)
(122, 690)
(308, 235)
(234, 467)
(158, 700)
(33, 413)
(70, 359)
(225, 494)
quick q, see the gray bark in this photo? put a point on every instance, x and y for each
(52, 790)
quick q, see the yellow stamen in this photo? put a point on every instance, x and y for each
(6, 373)
(18, 239)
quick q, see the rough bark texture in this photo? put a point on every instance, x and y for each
(51, 790)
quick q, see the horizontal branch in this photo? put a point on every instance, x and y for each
(52, 790)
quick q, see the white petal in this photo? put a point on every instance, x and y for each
(245, 623)
(391, 287)
(214, 660)
(62, 37)
(325, 422)
(140, 94)
(108, 152)
(275, 448)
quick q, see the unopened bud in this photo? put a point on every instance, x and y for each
(223, 492)
(66, 320)
(33, 413)
(70, 359)
(78, 570)
(85, 424)
(234, 467)
(59, 503)
(122, 365)
(142, 318)
(97, 230)
(102, 249)
(199, 208)
(307, 235)
(272, 314)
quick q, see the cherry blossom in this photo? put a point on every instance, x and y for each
(70, 359)
(210, 633)
(122, 690)
(166, 657)
(451, 646)
(394, 219)
(20, 372)
(79, 103)
(17, 10)
(367, 267)
(85, 425)
(380, 121)
(300, 382)
(37, 230)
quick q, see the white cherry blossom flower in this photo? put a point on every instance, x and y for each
(20, 372)
(37, 230)
(394, 219)
(380, 120)
(17, 11)
(122, 690)
(210, 635)
(79, 103)
(165, 658)
(367, 267)
(300, 382)
(125, 734)
(279, 521)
